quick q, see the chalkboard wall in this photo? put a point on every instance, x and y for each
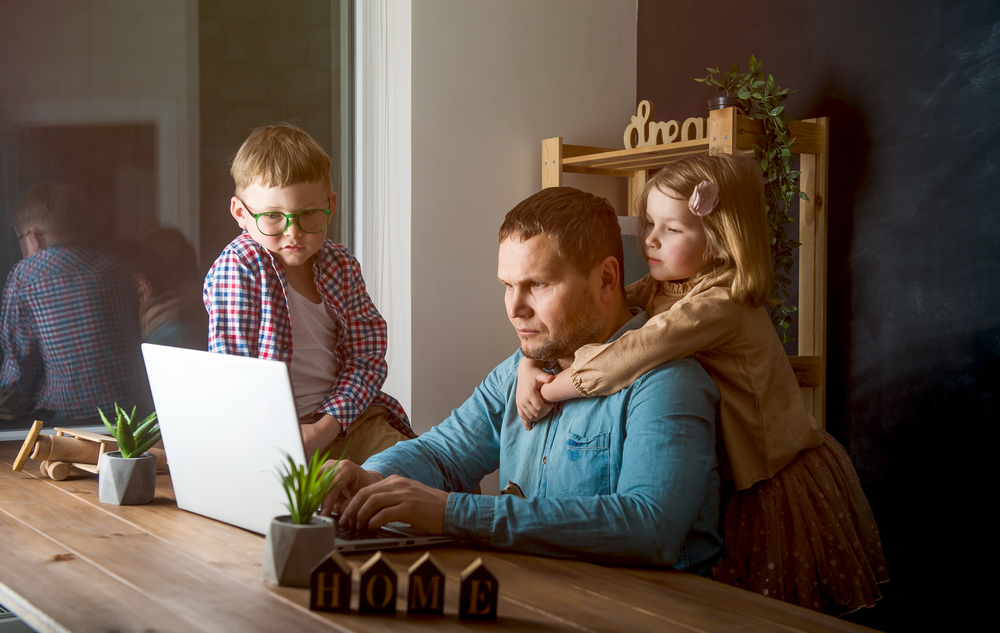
(911, 88)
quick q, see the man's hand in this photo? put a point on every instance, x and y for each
(319, 434)
(531, 406)
(396, 498)
(350, 478)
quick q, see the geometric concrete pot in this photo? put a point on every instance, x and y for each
(291, 551)
(125, 482)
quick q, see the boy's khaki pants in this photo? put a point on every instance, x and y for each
(370, 434)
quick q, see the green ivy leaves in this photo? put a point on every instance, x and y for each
(760, 99)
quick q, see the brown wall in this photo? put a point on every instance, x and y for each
(914, 243)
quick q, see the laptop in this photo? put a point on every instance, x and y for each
(226, 422)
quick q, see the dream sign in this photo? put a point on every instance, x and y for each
(643, 133)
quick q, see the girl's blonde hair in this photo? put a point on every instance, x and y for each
(739, 249)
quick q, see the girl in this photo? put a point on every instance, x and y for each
(798, 526)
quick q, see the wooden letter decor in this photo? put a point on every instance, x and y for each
(378, 587)
(330, 585)
(643, 133)
(478, 596)
(426, 592)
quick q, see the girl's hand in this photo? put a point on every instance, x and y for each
(530, 404)
(560, 388)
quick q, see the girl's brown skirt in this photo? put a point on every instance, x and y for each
(806, 536)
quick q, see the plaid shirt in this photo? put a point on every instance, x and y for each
(70, 333)
(248, 316)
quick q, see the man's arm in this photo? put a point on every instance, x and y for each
(667, 466)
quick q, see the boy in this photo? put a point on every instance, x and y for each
(70, 332)
(282, 291)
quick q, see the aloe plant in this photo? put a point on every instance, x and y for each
(134, 437)
(306, 485)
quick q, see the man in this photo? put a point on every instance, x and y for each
(625, 479)
(70, 317)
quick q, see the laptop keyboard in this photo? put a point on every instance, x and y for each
(351, 534)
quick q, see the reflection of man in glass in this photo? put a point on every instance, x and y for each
(70, 320)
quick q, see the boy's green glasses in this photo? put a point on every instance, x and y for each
(272, 223)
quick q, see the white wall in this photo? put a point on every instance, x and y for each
(489, 81)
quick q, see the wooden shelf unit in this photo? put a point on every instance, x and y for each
(729, 131)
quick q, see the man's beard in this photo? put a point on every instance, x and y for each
(586, 326)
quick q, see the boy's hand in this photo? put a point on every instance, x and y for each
(319, 434)
(531, 406)
(559, 388)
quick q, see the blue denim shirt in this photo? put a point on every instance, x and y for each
(626, 479)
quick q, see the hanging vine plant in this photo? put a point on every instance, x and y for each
(759, 99)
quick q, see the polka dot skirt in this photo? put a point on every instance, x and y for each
(806, 536)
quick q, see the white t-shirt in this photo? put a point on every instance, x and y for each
(314, 359)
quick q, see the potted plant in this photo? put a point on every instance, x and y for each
(296, 542)
(128, 476)
(760, 99)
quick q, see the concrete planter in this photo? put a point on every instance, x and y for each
(124, 482)
(291, 551)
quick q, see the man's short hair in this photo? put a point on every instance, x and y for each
(279, 156)
(583, 226)
(51, 207)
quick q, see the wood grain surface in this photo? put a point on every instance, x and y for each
(70, 563)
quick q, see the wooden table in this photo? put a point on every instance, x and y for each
(70, 563)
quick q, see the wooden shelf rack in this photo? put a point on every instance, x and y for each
(728, 132)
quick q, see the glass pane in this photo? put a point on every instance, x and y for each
(130, 113)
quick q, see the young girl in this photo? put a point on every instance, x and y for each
(798, 526)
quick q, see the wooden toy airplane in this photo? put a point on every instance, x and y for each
(70, 447)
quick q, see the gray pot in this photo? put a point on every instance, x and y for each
(291, 551)
(718, 103)
(125, 482)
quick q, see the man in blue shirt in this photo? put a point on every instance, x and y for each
(625, 479)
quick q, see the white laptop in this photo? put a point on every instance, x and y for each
(225, 421)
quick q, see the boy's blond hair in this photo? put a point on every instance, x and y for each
(54, 208)
(738, 241)
(279, 156)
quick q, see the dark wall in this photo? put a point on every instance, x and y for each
(911, 89)
(260, 63)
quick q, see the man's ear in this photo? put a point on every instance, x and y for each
(333, 203)
(236, 208)
(610, 278)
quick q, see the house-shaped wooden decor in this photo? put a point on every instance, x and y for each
(478, 596)
(378, 587)
(330, 585)
(426, 587)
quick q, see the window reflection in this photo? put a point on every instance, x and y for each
(138, 106)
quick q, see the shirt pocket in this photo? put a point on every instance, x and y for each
(586, 468)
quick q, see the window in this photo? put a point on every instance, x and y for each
(139, 107)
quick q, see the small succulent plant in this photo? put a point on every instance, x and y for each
(134, 437)
(306, 485)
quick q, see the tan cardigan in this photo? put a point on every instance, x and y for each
(762, 420)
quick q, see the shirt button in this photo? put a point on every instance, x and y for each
(544, 457)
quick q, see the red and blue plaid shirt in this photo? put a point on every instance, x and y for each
(248, 316)
(70, 333)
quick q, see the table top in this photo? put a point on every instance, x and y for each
(70, 563)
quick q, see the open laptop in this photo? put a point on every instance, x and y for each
(225, 421)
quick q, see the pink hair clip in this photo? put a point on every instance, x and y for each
(704, 199)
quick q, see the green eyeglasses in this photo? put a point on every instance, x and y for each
(271, 223)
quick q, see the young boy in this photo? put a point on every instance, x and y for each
(70, 320)
(282, 291)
